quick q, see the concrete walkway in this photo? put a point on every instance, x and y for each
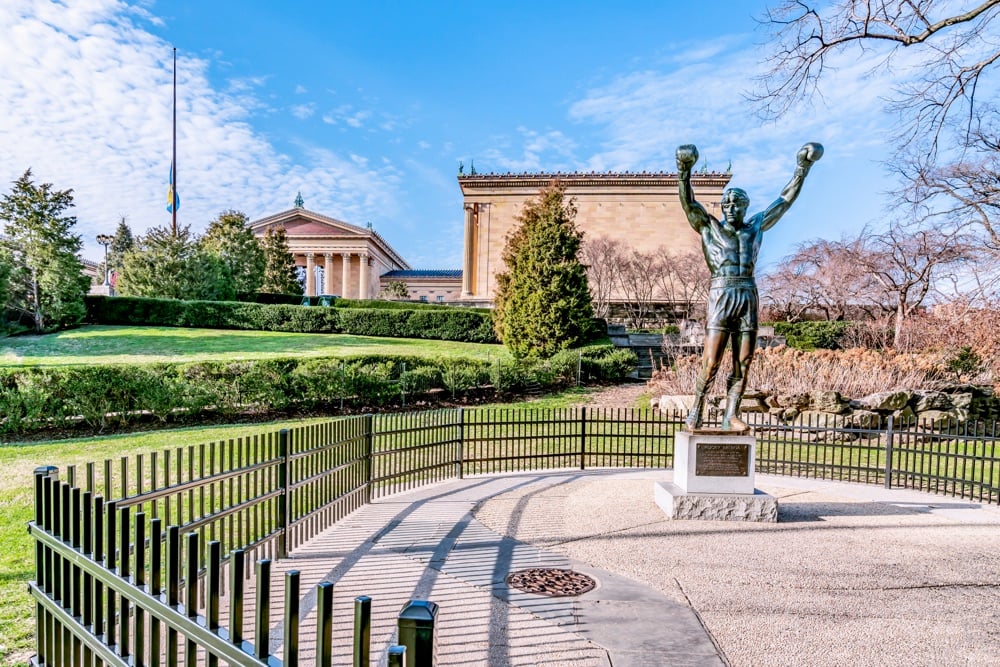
(454, 543)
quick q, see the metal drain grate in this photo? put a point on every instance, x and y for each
(551, 581)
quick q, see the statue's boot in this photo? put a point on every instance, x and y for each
(694, 418)
(731, 420)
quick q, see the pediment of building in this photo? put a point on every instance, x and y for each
(302, 222)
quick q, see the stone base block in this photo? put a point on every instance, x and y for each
(758, 506)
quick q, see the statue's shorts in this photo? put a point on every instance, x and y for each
(732, 304)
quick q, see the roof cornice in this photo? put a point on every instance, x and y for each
(512, 180)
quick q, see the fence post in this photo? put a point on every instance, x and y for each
(324, 625)
(461, 443)
(369, 421)
(362, 630)
(262, 613)
(583, 438)
(283, 498)
(291, 635)
(42, 473)
(888, 453)
(579, 367)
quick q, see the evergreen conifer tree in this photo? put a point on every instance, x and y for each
(543, 301)
(231, 241)
(280, 273)
(46, 281)
(121, 243)
(171, 266)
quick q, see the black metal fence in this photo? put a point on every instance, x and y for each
(134, 556)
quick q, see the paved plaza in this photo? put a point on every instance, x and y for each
(851, 574)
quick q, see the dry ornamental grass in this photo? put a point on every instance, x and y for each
(854, 373)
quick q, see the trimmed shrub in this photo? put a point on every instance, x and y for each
(438, 323)
(37, 398)
(607, 363)
(404, 305)
(812, 335)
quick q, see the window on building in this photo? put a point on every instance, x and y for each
(440, 297)
(424, 298)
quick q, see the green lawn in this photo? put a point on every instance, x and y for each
(92, 345)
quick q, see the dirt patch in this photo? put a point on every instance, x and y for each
(631, 395)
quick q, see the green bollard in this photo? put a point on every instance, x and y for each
(416, 632)
(397, 656)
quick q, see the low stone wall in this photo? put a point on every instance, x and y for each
(941, 406)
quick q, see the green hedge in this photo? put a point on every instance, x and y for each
(402, 305)
(440, 323)
(117, 395)
(811, 335)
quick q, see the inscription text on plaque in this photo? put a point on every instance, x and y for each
(721, 460)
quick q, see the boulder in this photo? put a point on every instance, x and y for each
(819, 419)
(800, 401)
(828, 401)
(963, 400)
(924, 401)
(789, 414)
(936, 419)
(864, 419)
(672, 403)
(884, 401)
(754, 401)
(904, 415)
(822, 421)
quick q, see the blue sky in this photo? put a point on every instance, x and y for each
(367, 108)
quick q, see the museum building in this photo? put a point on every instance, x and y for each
(642, 210)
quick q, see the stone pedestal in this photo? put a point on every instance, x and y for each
(714, 480)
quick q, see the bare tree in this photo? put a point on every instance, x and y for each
(964, 194)
(603, 258)
(954, 48)
(820, 278)
(637, 284)
(682, 279)
(906, 263)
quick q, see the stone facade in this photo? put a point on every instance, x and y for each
(641, 210)
(427, 285)
(350, 259)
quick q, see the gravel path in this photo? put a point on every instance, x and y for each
(851, 575)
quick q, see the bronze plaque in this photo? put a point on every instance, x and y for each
(721, 460)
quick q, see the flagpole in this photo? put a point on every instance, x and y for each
(173, 161)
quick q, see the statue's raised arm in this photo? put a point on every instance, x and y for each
(698, 217)
(808, 155)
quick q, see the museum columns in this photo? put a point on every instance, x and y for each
(328, 273)
(470, 232)
(310, 274)
(345, 274)
(363, 277)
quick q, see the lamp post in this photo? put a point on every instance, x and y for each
(105, 241)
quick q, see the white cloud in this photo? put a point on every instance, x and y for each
(645, 115)
(303, 111)
(85, 101)
(539, 151)
(357, 119)
(300, 89)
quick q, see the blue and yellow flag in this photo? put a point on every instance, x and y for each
(173, 200)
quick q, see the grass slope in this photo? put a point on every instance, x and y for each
(96, 344)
